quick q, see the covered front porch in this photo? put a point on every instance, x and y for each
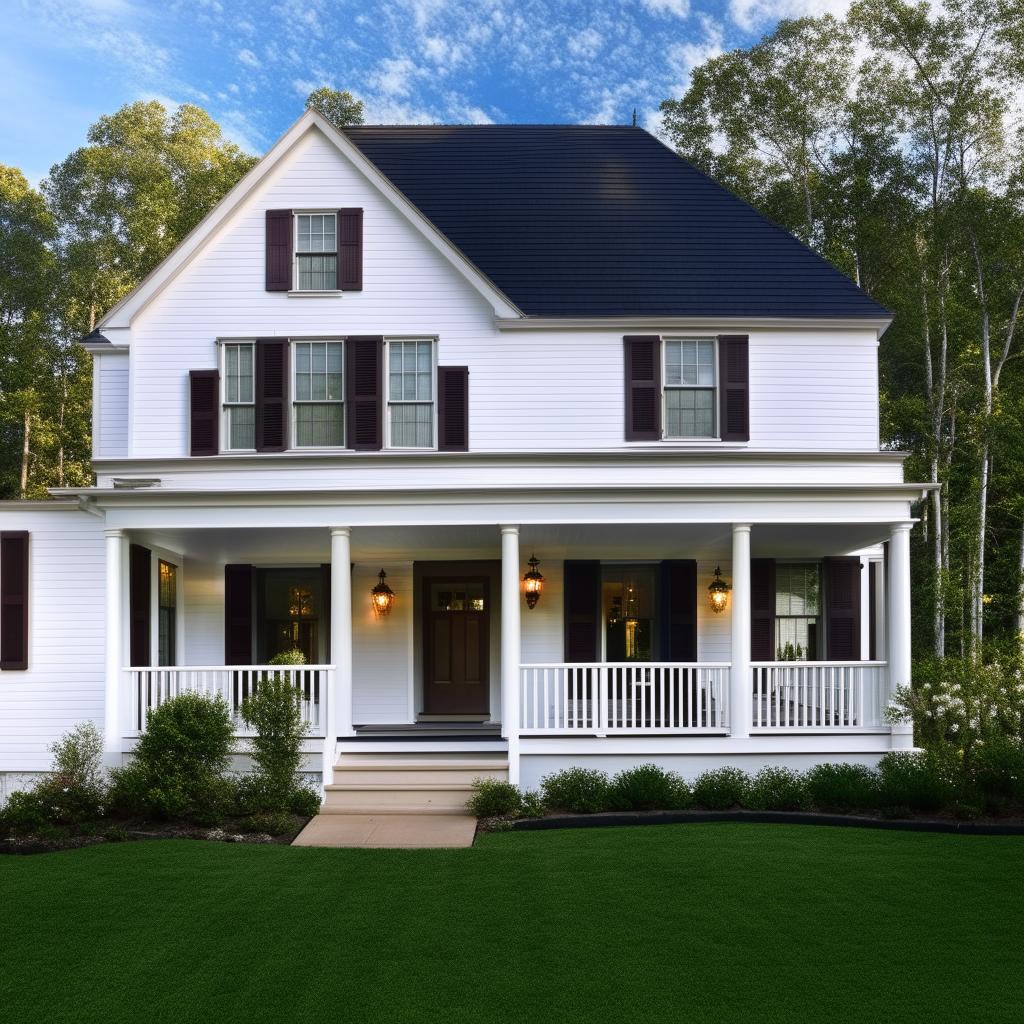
(622, 655)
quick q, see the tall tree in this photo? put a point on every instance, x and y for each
(340, 108)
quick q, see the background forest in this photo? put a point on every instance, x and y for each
(892, 142)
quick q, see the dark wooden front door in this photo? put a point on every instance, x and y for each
(456, 656)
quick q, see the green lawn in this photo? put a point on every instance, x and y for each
(675, 923)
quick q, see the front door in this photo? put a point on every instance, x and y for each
(456, 656)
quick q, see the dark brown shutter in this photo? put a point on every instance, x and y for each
(734, 387)
(453, 408)
(14, 600)
(204, 411)
(140, 616)
(762, 609)
(237, 614)
(350, 250)
(582, 588)
(279, 250)
(677, 610)
(271, 394)
(842, 608)
(872, 611)
(643, 387)
(364, 385)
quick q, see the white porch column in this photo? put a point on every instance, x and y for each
(899, 623)
(339, 701)
(511, 646)
(114, 648)
(740, 683)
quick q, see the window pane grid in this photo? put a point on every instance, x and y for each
(797, 610)
(316, 233)
(318, 273)
(411, 393)
(319, 394)
(239, 396)
(690, 387)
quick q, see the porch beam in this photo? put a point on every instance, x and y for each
(899, 624)
(511, 646)
(114, 650)
(740, 681)
(339, 698)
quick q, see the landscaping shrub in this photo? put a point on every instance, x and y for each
(649, 788)
(913, 781)
(179, 763)
(274, 711)
(577, 790)
(305, 802)
(721, 789)
(533, 805)
(996, 771)
(842, 787)
(495, 798)
(777, 789)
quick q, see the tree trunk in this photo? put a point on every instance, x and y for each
(26, 434)
(1020, 586)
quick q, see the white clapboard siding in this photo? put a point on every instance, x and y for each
(110, 415)
(808, 389)
(64, 681)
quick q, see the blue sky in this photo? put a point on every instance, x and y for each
(251, 64)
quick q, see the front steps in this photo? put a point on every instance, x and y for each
(386, 784)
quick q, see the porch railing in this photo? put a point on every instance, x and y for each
(150, 687)
(819, 694)
(623, 698)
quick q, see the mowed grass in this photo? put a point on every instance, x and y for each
(716, 922)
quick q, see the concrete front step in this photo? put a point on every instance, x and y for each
(401, 798)
(412, 772)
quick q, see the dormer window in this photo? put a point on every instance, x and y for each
(316, 252)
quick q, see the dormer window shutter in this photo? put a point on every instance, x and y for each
(271, 394)
(14, 548)
(734, 386)
(204, 411)
(364, 388)
(350, 250)
(279, 251)
(643, 387)
(453, 408)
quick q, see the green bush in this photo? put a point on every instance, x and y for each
(842, 787)
(305, 801)
(913, 781)
(777, 789)
(533, 805)
(274, 823)
(179, 764)
(721, 789)
(274, 711)
(495, 798)
(649, 788)
(577, 790)
(997, 771)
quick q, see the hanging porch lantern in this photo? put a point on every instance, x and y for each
(382, 596)
(718, 592)
(533, 583)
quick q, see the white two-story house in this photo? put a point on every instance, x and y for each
(539, 444)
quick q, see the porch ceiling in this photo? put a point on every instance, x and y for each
(605, 541)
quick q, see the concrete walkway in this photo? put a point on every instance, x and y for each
(389, 831)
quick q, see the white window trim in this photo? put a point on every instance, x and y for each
(224, 424)
(293, 401)
(714, 389)
(295, 290)
(387, 390)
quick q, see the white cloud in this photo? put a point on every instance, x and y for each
(668, 8)
(754, 14)
(586, 44)
(248, 58)
(684, 57)
(394, 76)
(443, 51)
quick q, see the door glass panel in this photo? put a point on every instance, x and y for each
(292, 609)
(627, 603)
(457, 597)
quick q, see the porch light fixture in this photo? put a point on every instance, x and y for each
(533, 583)
(382, 596)
(718, 592)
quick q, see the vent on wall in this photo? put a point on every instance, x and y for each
(134, 483)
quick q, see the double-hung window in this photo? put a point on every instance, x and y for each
(316, 252)
(167, 609)
(319, 394)
(797, 610)
(239, 396)
(411, 393)
(690, 388)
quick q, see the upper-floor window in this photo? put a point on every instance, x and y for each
(240, 396)
(316, 252)
(690, 388)
(411, 393)
(319, 392)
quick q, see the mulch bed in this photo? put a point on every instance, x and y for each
(113, 831)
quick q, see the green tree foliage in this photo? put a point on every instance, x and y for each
(340, 108)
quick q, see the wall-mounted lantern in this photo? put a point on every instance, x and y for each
(533, 583)
(718, 592)
(383, 596)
